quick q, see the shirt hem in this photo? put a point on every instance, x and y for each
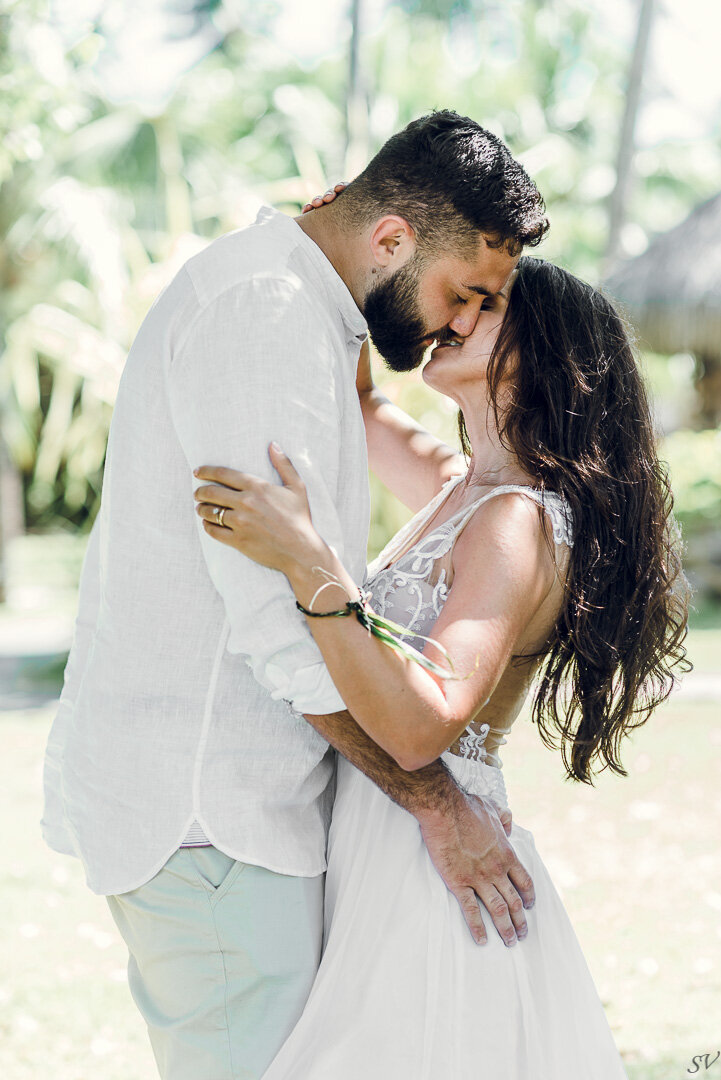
(277, 867)
(57, 847)
(233, 853)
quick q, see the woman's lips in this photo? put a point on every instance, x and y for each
(447, 345)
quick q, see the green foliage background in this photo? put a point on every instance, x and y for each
(101, 202)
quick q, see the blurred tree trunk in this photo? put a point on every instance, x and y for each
(357, 150)
(626, 146)
(12, 517)
(708, 388)
(178, 212)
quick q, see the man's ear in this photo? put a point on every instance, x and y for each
(392, 242)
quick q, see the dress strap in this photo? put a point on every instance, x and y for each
(439, 541)
(554, 504)
(400, 542)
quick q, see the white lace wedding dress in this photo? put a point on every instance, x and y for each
(403, 992)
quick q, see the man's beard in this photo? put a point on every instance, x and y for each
(394, 317)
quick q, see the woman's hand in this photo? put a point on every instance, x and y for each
(323, 200)
(270, 523)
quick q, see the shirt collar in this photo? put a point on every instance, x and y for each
(338, 293)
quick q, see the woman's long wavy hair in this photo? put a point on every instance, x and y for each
(578, 419)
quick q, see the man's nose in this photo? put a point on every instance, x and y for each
(464, 323)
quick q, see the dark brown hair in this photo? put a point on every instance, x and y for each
(578, 419)
(450, 179)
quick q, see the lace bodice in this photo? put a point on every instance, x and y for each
(409, 584)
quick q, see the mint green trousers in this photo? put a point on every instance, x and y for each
(222, 957)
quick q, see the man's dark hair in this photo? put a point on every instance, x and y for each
(448, 176)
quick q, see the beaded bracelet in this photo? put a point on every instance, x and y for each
(388, 632)
(350, 607)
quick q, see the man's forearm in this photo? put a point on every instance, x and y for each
(431, 789)
(467, 844)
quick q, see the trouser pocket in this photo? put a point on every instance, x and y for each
(220, 975)
(216, 871)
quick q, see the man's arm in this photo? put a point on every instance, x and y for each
(258, 364)
(408, 459)
(464, 835)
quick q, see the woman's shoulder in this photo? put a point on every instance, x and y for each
(509, 534)
(512, 505)
(505, 572)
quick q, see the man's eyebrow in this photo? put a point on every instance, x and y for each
(480, 289)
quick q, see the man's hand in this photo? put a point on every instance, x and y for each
(465, 835)
(468, 847)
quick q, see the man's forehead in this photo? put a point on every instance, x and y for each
(489, 273)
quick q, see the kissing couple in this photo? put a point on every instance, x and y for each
(281, 766)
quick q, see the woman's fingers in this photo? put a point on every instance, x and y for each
(233, 488)
(284, 466)
(220, 494)
(211, 512)
(218, 532)
(229, 477)
(225, 520)
(319, 200)
(327, 197)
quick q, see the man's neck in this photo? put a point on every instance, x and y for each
(340, 249)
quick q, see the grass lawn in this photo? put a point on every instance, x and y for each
(637, 861)
(66, 1009)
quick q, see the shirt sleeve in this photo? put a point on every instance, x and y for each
(259, 363)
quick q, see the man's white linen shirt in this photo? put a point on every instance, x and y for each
(191, 667)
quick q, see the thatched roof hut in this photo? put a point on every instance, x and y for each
(672, 292)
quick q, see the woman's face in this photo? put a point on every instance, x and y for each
(463, 362)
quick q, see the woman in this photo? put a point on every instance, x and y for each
(552, 556)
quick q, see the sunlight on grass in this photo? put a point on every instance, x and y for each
(636, 861)
(67, 1012)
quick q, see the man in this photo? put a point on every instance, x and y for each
(189, 765)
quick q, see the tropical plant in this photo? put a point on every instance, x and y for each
(100, 201)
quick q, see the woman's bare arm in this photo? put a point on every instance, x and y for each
(503, 573)
(411, 462)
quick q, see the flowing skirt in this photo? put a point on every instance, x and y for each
(404, 993)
